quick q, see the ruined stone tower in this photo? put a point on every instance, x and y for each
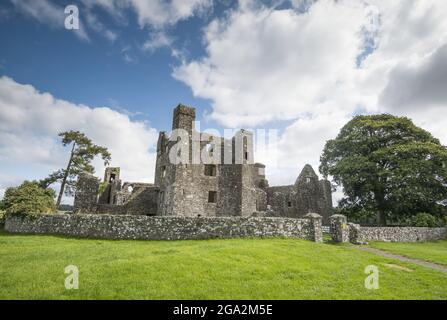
(183, 118)
(113, 185)
(215, 178)
(200, 174)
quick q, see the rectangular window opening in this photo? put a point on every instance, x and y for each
(210, 170)
(212, 197)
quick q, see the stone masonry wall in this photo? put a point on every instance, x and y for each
(86, 193)
(166, 228)
(400, 234)
(341, 231)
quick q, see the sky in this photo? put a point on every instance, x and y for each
(301, 67)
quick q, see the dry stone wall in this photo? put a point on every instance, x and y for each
(399, 234)
(166, 228)
(341, 231)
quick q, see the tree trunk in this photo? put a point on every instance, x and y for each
(381, 212)
(64, 180)
(381, 218)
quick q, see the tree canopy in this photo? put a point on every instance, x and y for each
(83, 151)
(28, 199)
(387, 166)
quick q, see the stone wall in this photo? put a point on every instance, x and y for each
(341, 231)
(167, 228)
(282, 200)
(399, 234)
(143, 201)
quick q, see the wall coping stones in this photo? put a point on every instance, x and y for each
(313, 215)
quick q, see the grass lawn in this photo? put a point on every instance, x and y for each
(430, 251)
(32, 267)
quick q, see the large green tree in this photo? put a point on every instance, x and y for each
(83, 151)
(387, 166)
(28, 199)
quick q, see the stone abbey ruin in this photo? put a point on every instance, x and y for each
(217, 192)
(228, 184)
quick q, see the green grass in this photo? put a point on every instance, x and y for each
(429, 251)
(32, 267)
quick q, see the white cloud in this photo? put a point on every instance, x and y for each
(424, 83)
(99, 27)
(113, 7)
(300, 144)
(30, 121)
(157, 14)
(158, 40)
(409, 66)
(160, 13)
(128, 54)
(320, 62)
(264, 64)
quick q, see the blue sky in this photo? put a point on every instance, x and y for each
(302, 67)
